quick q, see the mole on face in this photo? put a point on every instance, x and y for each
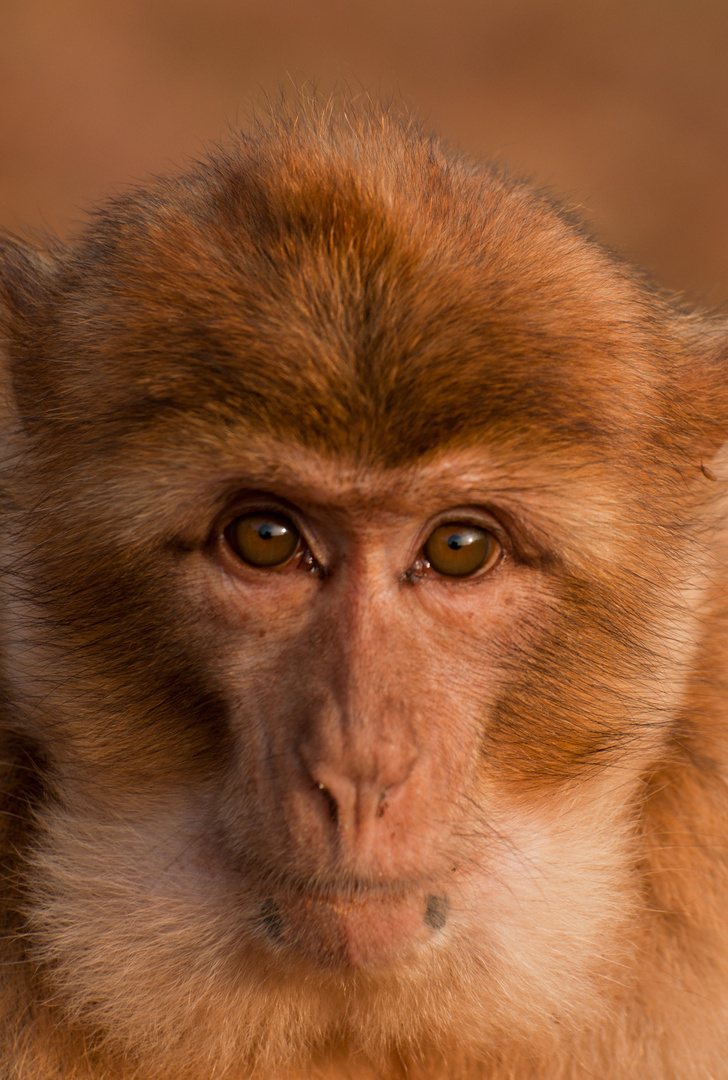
(436, 912)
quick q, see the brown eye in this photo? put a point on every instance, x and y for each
(263, 539)
(457, 549)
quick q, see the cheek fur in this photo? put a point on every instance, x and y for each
(143, 927)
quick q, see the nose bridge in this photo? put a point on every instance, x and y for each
(370, 633)
(369, 682)
(361, 745)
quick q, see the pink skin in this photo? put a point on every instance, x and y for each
(369, 751)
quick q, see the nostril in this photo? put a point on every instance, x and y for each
(331, 804)
(353, 790)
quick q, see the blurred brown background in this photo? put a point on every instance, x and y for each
(620, 104)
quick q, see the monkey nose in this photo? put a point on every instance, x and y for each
(351, 803)
(355, 798)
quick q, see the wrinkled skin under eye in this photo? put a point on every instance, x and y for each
(459, 549)
(264, 540)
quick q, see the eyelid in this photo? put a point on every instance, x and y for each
(468, 515)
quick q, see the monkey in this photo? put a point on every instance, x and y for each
(364, 631)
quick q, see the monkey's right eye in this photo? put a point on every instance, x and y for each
(263, 540)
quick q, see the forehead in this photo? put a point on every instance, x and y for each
(375, 306)
(550, 492)
(553, 493)
(176, 484)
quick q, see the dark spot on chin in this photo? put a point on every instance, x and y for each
(271, 920)
(436, 912)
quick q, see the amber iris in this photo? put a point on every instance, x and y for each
(263, 539)
(458, 549)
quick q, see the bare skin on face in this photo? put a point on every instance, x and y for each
(347, 567)
(364, 633)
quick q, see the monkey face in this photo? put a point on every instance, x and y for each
(351, 599)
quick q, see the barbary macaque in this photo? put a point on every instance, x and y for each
(365, 644)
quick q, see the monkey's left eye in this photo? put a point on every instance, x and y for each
(459, 549)
(263, 540)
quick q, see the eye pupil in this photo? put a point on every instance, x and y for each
(459, 549)
(263, 540)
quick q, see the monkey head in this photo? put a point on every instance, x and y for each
(356, 569)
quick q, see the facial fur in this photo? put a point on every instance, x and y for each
(348, 814)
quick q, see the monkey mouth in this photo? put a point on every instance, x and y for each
(362, 929)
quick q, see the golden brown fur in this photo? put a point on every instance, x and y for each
(349, 818)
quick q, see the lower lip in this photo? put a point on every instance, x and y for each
(353, 931)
